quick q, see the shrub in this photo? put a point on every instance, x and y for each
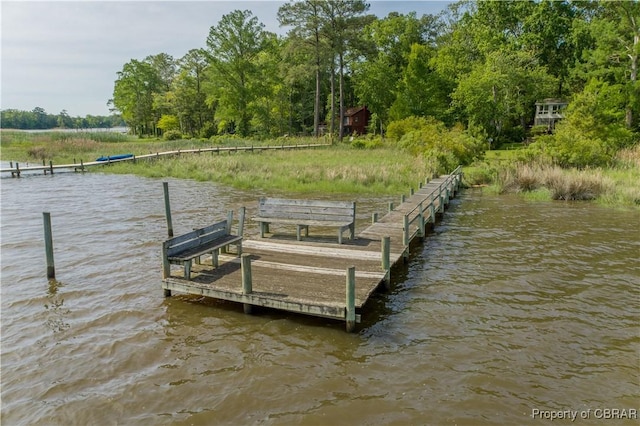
(172, 135)
(397, 129)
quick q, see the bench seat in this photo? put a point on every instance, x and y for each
(183, 249)
(305, 213)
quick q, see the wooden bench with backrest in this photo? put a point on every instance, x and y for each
(305, 213)
(183, 249)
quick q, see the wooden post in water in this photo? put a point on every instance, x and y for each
(51, 166)
(167, 209)
(11, 166)
(350, 311)
(48, 245)
(247, 284)
(44, 164)
(17, 169)
(386, 261)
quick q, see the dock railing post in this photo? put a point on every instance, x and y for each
(421, 219)
(48, 245)
(390, 206)
(350, 311)
(374, 218)
(167, 208)
(386, 261)
(405, 227)
(405, 237)
(432, 212)
(247, 285)
(51, 167)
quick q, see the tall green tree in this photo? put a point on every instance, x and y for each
(343, 24)
(233, 47)
(307, 20)
(378, 80)
(187, 96)
(421, 90)
(133, 95)
(498, 95)
(613, 58)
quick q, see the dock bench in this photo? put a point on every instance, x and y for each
(305, 213)
(183, 249)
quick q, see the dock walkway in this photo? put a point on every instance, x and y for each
(316, 277)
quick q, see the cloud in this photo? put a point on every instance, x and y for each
(65, 55)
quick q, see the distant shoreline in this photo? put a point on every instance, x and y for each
(118, 129)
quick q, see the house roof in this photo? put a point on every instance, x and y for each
(551, 101)
(354, 110)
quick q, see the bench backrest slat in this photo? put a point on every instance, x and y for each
(196, 238)
(307, 209)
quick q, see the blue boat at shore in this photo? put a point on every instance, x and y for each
(114, 157)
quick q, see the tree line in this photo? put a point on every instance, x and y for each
(39, 119)
(481, 65)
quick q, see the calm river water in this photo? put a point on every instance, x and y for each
(509, 311)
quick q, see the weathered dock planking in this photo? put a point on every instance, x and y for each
(321, 278)
(16, 170)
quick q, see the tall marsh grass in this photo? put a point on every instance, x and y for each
(562, 184)
(338, 169)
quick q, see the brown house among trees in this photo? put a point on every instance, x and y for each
(356, 120)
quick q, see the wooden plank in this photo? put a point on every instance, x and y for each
(255, 298)
(341, 252)
(309, 269)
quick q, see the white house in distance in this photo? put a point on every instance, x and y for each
(548, 112)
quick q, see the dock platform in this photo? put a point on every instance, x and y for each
(316, 277)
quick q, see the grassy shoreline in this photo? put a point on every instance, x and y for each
(505, 171)
(385, 170)
(335, 169)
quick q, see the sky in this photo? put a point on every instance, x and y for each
(65, 55)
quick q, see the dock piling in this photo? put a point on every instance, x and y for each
(350, 313)
(167, 209)
(386, 261)
(247, 285)
(48, 245)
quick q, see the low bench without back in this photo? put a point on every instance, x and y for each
(305, 213)
(181, 250)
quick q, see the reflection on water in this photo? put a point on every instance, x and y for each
(509, 306)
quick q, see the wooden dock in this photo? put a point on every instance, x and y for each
(16, 170)
(316, 277)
